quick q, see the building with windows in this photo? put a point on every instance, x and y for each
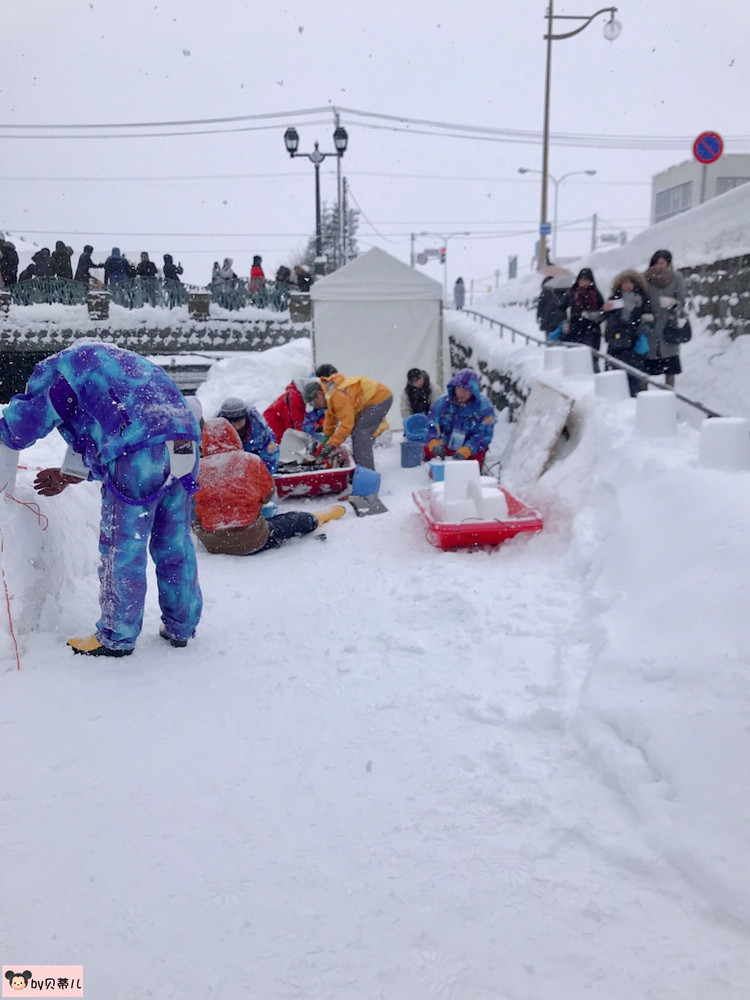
(691, 183)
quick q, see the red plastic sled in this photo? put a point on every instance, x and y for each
(315, 482)
(471, 534)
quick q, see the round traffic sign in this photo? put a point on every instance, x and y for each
(421, 258)
(708, 147)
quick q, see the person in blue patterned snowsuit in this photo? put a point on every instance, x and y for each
(255, 434)
(461, 422)
(132, 430)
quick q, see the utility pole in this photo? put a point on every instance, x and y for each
(342, 257)
(593, 232)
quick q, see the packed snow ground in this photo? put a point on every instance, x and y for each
(386, 771)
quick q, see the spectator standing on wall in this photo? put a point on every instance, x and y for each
(85, 265)
(257, 277)
(61, 259)
(146, 268)
(171, 270)
(8, 262)
(116, 268)
(303, 278)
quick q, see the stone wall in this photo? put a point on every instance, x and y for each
(720, 292)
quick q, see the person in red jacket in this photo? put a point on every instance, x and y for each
(233, 487)
(289, 410)
(257, 277)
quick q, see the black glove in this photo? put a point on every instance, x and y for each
(50, 482)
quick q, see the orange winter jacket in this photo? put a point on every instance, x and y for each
(346, 397)
(234, 485)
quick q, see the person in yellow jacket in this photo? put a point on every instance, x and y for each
(355, 406)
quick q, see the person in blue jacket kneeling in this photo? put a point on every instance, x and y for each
(461, 422)
(128, 426)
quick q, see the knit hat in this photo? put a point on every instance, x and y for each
(88, 248)
(414, 373)
(310, 392)
(232, 409)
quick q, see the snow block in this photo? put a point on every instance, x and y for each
(458, 475)
(577, 362)
(656, 413)
(8, 469)
(554, 358)
(612, 386)
(724, 443)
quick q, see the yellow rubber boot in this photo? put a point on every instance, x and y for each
(330, 514)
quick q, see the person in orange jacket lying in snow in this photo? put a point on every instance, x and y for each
(233, 487)
(355, 406)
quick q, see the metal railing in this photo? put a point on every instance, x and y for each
(611, 362)
(158, 292)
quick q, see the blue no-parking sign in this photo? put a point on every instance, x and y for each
(708, 147)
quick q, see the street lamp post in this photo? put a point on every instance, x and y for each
(444, 240)
(340, 141)
(557, 182)
(612, 29)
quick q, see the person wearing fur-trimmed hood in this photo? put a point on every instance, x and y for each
(627, 311)
(462, 422)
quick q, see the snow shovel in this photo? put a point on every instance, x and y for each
(371, 504)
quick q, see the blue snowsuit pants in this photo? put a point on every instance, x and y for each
(128, 531)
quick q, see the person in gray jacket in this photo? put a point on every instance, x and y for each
(666, 291)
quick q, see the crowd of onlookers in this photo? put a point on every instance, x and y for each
(643, 320)
(58, 263)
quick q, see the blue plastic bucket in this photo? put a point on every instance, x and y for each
(412, 453)
(365, 481)
(415, 427)
(437, 471)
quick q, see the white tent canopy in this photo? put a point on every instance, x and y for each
(379, 317)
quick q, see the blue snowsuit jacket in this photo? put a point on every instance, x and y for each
(475, 419)
(106, 402)
(256, 436)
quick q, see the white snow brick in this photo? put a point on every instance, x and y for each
(458, 475)
(656, 413)
(724, 443)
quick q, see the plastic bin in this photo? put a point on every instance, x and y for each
(472, 534)
(365, 481)
(314, 482)
(415, 427)
(412, 453)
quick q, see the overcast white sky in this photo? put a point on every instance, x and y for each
(679, 67)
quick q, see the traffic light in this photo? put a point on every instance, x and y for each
(442, 255)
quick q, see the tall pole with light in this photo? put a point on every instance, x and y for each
(612, 29)
(340, 141)
(557, 182)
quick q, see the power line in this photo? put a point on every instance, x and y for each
(366, 119)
